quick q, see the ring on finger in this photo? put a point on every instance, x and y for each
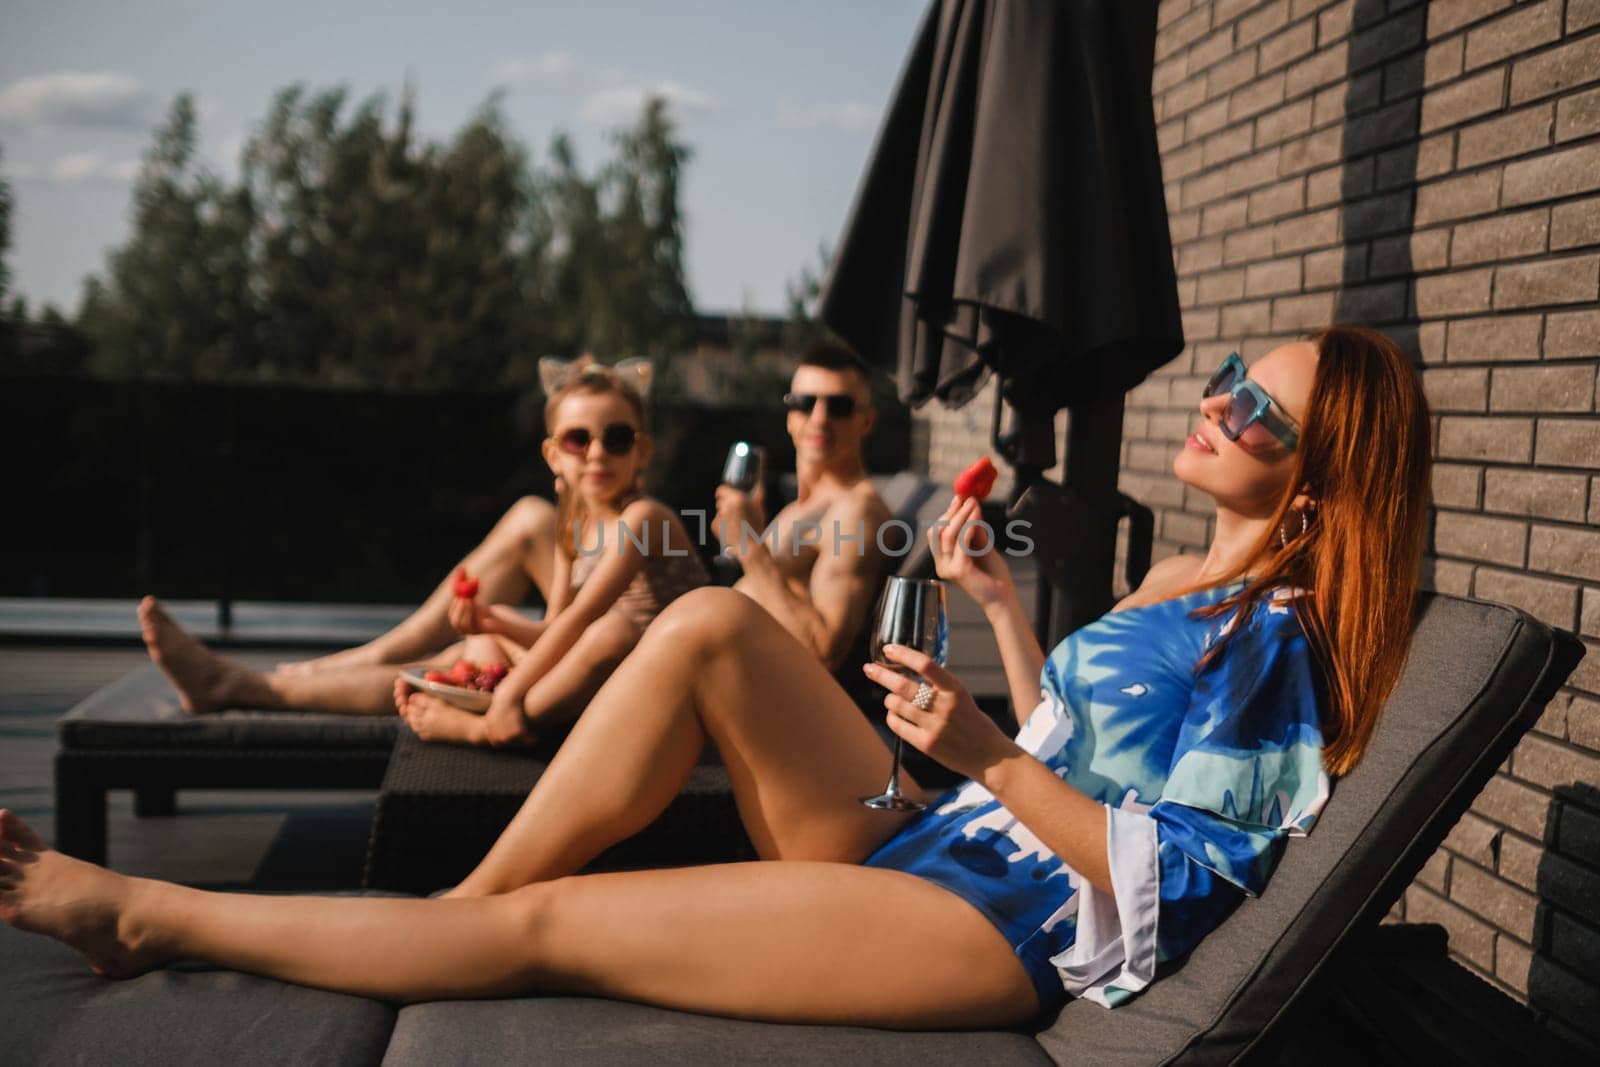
(924, 698)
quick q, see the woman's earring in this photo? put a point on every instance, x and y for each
(1305, 526)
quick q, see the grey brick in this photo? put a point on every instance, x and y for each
(1227, 144)
(1553, 174)
(1455, 485)
(1231, 73)
(1335, 22)
(1446, 576)
(1220, 286)
(1443, 60)
(1575, 224)
(1272, 277)
(1150, 489)
(1456, 293)
(1187, 29)
(1395, 124)
(1291, 120)
(1203, 121)
(1197, 256)
(1510, 135)
(1569, 443)
(1556, 70)
(1463, 100)
(1457, 390)
(1572, 333)
(1502, 337)
(1184, 226)
(1327, 66)
(1436, 156)
(1298, 40)
(1540, 494)
(1313, 230)
(1500, 237)
(1550, 763)
(1552, 601)
(1224, 215)
(1589, 624)
(1430, 344)
(1373, 304)
(1455, 198)
(1262, 22)
(1530, 26)
(1435, 873)
(1308, 312)
(1187, 94)
(1581, 14)
(1500, 440)
(1573, 280)
(1252, 244)
(1324, 269)
(1563, 550)
(1519, 860)
(1469, 936)
(1226, 10)
(1383, 38)
(1378, 214)
(1182, 163)
(1474, 838)
(1512, 963)
(1556, 388)
(1586, 675)
(1256, 169)
(1479, 537)
(1514, 804)
(1409, 253)
(1442, 18)
(1210, 50)
(1185, 529)
(1275, 201)
(1200, 325)
(1578, 115)
(1316, 149)
(1324, 187)
(1503, 904)
(1583, 723)
(1242, 320)
(1262, 95)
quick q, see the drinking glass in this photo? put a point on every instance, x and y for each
(743, 470)
(911, 612)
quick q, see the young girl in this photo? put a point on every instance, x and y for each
(621, 557)
(635, 558)
(1176, 745)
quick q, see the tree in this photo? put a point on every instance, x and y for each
(5, 235)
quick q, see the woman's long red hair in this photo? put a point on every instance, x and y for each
(1364, 460)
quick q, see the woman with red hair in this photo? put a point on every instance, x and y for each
(1176, 744)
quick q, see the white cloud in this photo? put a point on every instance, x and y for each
(852, 117)
(622, 103)
(78, 168)
(103, 100)
(548, 66)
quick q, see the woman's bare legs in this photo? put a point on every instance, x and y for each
(519, 550)
(554, 700)
(208, 682)
(799, 942)
(714, 665)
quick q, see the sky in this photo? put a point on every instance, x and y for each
(779, 101)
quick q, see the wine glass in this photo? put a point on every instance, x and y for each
(743, 470)
(911, 613)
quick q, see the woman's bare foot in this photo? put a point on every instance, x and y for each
(204, 680)
(84, 906)
(434, 720)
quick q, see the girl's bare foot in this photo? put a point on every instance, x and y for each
(402, 693)
(434, 720)
(204, 680)
(84, 906)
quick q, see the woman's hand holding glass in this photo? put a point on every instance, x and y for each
(963, 553)
(951, 729)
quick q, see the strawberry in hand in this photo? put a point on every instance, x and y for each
(466, 587)
(977, 481)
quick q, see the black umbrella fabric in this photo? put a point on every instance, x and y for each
(1012, 215)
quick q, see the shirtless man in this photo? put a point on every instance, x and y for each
(817, 568)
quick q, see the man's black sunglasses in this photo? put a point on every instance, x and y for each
(834, 405)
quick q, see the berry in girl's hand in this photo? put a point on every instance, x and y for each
(977, 480)
(436, 676)
(466, 587)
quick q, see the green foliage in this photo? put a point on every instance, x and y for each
(5, 235)
(352, 252)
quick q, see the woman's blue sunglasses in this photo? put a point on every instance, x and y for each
(1252, 414)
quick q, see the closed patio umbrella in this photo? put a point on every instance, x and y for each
(1012, 220)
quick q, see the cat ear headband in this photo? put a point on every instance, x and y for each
(556, 373)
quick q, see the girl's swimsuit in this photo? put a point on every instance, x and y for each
(1204, 775)
(663, 579)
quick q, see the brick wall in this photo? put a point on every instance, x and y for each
(1431, 169)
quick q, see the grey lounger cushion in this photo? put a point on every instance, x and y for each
(580, 1030)
(141, 711)
(53, 1011)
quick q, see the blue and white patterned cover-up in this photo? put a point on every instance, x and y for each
(1204, 776)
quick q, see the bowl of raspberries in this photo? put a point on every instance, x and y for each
(466, 684)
